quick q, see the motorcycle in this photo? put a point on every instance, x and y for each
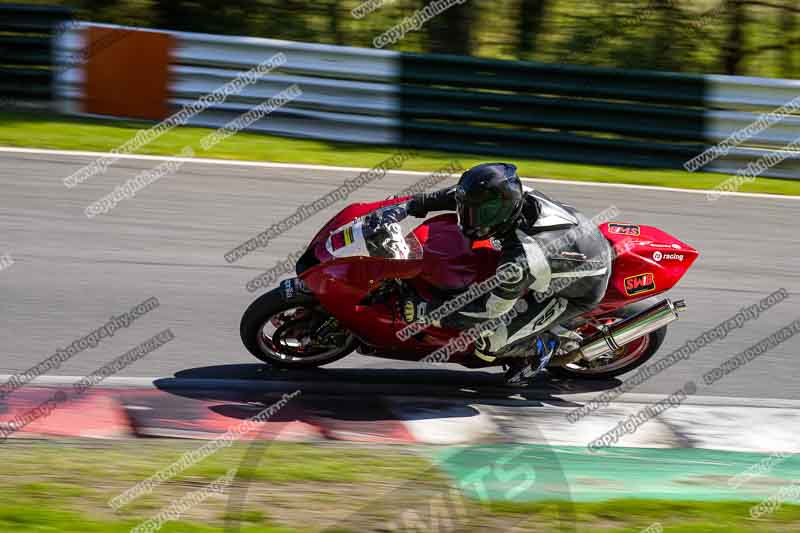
(350, 278)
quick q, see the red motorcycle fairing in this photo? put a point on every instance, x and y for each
(345, 216)
(450, 262)
(342, 285)
(649, 262)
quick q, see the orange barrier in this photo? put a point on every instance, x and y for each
(127, 72)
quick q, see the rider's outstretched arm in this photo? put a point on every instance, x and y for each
(423, 203)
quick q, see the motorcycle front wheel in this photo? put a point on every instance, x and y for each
(288, 332)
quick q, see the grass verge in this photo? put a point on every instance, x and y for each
(65, 486)
(36, 130)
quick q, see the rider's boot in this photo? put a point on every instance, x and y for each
(523, 369)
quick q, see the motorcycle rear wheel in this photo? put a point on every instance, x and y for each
(631, 356)
(288, 316)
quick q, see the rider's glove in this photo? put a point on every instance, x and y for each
(412, 308)
(376, 221)
(394, 214)
(415, 208)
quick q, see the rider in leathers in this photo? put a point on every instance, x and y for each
(563, 259)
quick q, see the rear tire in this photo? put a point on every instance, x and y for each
(653, 342)
(260, 314)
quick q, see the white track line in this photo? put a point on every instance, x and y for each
(263, 164)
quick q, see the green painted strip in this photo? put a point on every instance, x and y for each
(517, 142)
(26, 84)
(32, 18)
(523, 109)
(504, 472)
(568, 114)
(25, 50)
(27, 54)
(595, 82)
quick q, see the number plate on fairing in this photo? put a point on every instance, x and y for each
(348, 241)
(293, 287)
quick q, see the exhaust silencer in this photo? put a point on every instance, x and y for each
(613, 337)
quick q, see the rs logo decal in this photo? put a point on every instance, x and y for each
(639, 284)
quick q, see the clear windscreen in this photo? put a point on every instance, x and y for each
(390, 240)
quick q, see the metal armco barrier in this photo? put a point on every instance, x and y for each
(498, 108)
(26, 57)
(571, 113)
(590, 115)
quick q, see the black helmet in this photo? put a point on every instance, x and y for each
(489, 200)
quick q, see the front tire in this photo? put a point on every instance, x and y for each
(288, 315)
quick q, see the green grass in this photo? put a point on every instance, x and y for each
(44, 131)
(632, 515)
(64, 487)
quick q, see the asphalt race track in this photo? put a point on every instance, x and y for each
(72, 273)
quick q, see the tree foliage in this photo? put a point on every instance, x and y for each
(748, 37)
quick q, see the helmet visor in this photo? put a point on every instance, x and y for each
(478, 216)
